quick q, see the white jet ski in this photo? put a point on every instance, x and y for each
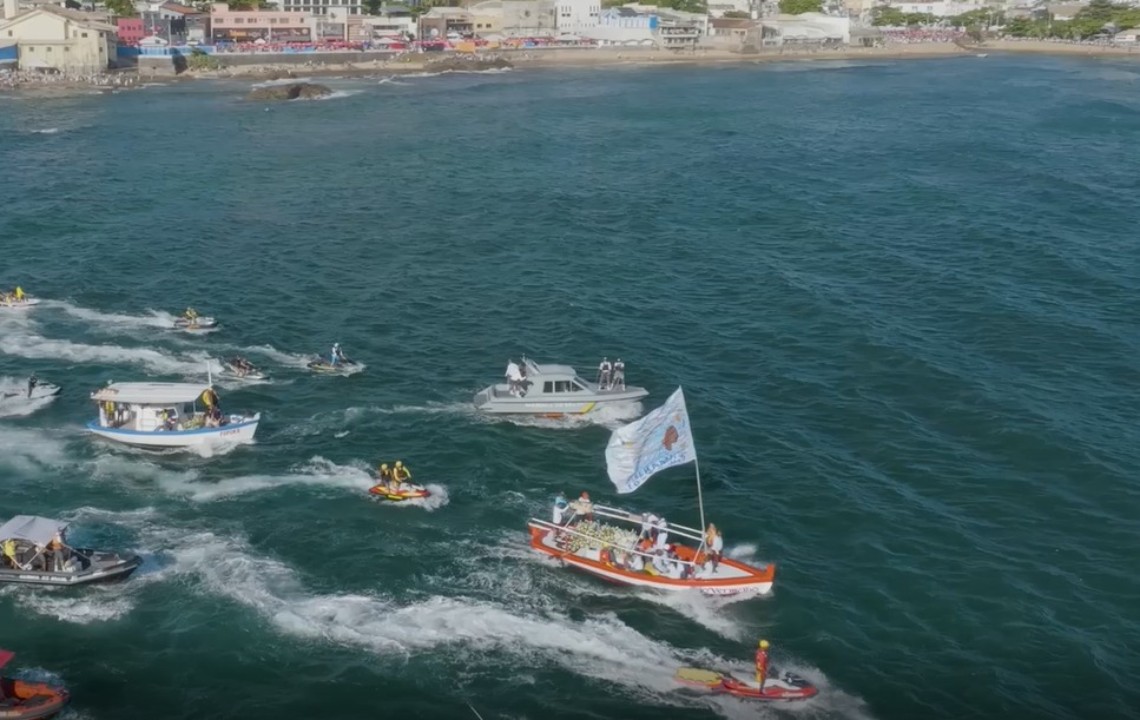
(243, 370)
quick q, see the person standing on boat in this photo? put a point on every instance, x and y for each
(32, 381)
(560, 508)
(514, 378)
(761, 664)
(604, 369)
(385, 476)
(19, 294)
(9, 549)
(648, 526)
(662, 541)
(619, 375)
(336, 356)
(714, 545)
(583, 508)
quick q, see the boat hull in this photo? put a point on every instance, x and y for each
(239, 432)
(785, 687)
(103, 572)
(21, 305)
(754, 581)
(412, 493)
(204, 323)
(491, 403)
(21, 700)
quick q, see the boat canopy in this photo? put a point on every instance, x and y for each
(37, 530)
(143, 393)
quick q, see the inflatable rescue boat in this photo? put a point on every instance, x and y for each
(407, 492)
(787, 686)
(21, 700)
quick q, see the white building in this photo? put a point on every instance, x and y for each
(58, 38)
(717, 8)
(938, 9)
(809, 28)
(577, 17)
(624, 26)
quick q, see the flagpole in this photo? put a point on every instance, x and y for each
(700, 497)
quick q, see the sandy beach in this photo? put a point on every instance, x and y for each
(565, 57)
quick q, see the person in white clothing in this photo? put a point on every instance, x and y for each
(648, 522)
(662, 534)
(636, 563)
(661, 563)
(514, 377)
(604, 370)
(619, 375)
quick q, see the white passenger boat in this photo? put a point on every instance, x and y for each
(552, 391)
(167, 415)
(644, 550)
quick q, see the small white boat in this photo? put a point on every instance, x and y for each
(552, 391)
(241, 369)
(167, 415)
(35, 562)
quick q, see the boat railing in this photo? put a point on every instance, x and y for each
(601, 542)
(638, 519)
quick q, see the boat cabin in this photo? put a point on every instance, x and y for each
(36, 543)
(157, 407)
(553, 380)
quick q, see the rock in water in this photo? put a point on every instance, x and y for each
(460, 64)
(291, 91)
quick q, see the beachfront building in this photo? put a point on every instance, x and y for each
(718, 8)
(625, 26)
(442, 22)
(252, 25)
(807, 29)
(130, 31)
(577, 17)
(56, 38)
(173, 22)
(734, 33)
(322, 7)
(937, 9)
(392, 22)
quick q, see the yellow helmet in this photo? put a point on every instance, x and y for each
(384, 466)
(399, 463)
(763, 644)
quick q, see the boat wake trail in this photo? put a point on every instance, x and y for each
(14, 400)
(317, 472)
(152, 318)
(26, 344)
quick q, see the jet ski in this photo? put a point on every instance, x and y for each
(245, 372)
(321, 365)
(39, 392)
(406, 492)
(21, 700)
(786, 686)
(198, 323)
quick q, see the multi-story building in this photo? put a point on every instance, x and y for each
(249, 25)
(445, 22)
(322, 7)
(58, 38)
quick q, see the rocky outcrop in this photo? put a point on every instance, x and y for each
(290, 91)
(461, 64)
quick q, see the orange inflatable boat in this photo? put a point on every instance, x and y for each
(21, 700)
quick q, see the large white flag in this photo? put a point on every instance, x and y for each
(657, 441)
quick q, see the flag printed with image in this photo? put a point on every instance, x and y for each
(657, 441)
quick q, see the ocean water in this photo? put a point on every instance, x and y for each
(901, 298)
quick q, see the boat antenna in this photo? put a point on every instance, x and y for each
(475, 711)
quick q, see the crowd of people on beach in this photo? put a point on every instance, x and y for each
(911, 36)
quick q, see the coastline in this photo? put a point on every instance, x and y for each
(115, 81)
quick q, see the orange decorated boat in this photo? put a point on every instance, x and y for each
(608, 547)
(600, 541)
(783, 686)
(20, 700)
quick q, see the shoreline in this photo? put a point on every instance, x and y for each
(601, 58)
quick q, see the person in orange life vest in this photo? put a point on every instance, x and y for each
(762, 664)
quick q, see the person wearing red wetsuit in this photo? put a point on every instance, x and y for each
(762, 664)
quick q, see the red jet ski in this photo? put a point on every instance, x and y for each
(21, 700)
(787, 686)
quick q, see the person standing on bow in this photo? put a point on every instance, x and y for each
(32, 381)
(560, 508)
(761, 664)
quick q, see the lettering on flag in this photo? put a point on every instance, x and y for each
(661, 439)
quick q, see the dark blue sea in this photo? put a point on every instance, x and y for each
(900, 296)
